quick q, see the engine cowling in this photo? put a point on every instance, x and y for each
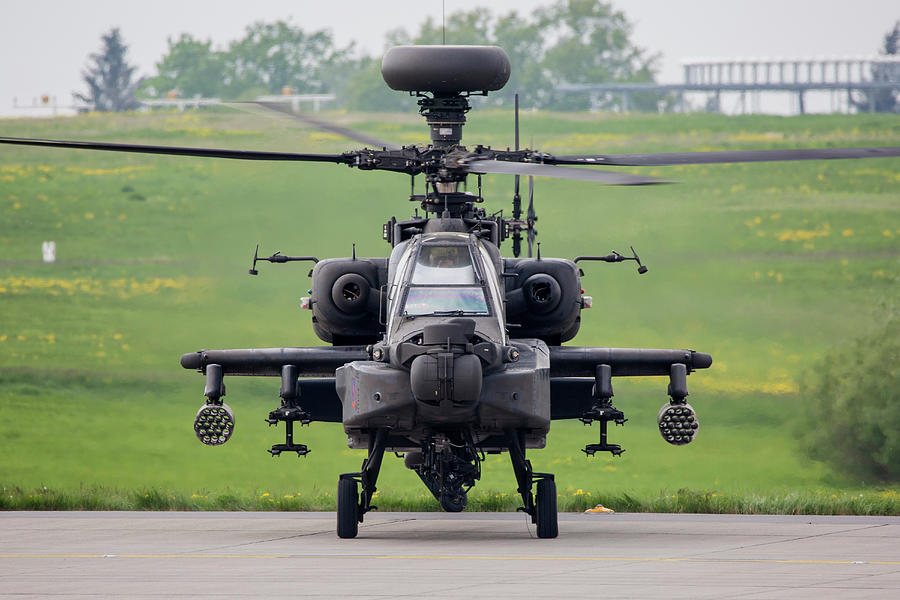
(347, 300)
(543, 300)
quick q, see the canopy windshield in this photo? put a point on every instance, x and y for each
(444, 265)
(445, 300)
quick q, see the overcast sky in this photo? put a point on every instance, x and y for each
(44, 44)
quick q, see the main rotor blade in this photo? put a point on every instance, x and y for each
(544, 170)
(180, 150)
(283, 109)
(731, 156)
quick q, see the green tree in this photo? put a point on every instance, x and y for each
(271, 56)
(524, 43)
(885, 100)
(852, 403)
(462, 28)
(362, 88)
(190, 67)
(571, 41)
(591, 44)
(109, 77)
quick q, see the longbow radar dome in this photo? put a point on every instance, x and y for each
(445, 70)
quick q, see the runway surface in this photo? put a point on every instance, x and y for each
(435, 556)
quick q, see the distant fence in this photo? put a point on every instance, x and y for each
(795, 75)
(295, 100)
(821, 72)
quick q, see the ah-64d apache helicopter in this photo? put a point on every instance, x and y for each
(446, 351)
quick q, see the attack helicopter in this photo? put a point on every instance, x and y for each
(446, 351)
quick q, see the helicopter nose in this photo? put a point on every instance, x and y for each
(443, 376)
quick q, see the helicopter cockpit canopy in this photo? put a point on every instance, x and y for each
(444, 264)
(444, 282)
(447, 274)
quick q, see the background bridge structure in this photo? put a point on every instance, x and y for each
(851, 81)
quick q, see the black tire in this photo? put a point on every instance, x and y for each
(347, 508)
(547, 527)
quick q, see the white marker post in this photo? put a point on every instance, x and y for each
(49, 251)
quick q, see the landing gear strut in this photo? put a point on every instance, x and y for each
(543, 508)
(351, 505)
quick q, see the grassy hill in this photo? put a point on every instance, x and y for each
(764, 266)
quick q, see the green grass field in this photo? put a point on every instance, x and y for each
(764, 266)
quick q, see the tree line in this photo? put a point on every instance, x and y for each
(569, 41)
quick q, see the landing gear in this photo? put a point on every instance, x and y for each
(351, 505)
(547, 526)
(347, 508)
(543, 514)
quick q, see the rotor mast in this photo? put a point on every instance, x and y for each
(445, 115)
(443, 77)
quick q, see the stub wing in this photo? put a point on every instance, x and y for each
(581, 388)
(314, 395)
(309, 362)
(577, 374)
(572, 361)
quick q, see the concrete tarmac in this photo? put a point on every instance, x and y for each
(150, 555)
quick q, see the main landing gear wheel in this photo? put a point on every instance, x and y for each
(547, 526)
(347, 508)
